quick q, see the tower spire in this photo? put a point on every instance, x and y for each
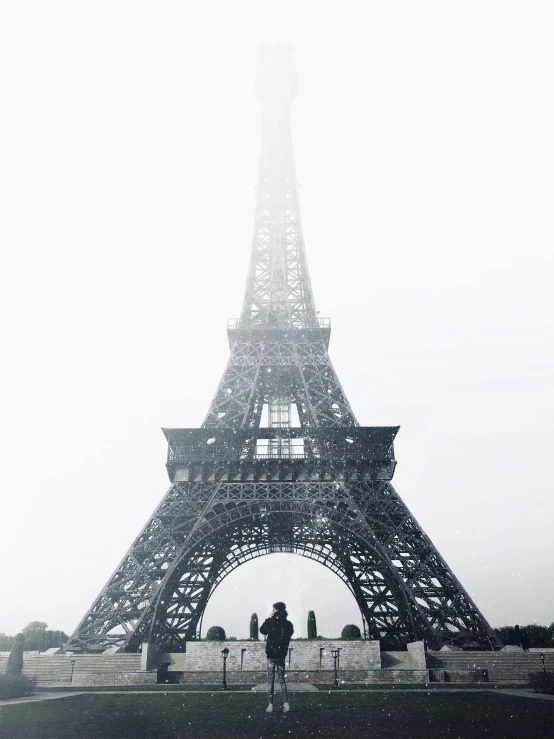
(278, 289)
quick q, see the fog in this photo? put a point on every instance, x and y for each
(129, 153)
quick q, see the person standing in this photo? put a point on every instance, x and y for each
(278, 631)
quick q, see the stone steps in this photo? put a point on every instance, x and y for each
(501, 666)
(107, 663)
(114, 669)
(396, 667)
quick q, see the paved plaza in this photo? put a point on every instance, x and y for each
(206, 713)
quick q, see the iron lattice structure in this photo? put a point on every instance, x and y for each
(280, 463)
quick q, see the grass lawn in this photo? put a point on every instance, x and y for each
(220, 715)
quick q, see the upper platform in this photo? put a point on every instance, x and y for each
(363, 452)
(246, 330)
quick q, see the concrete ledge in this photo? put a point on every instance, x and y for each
(396, 676)
(255, 677)
(459, 676)
(416, 650)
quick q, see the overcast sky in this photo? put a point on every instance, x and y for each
(129, 143)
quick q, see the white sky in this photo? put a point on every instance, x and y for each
(129, 141)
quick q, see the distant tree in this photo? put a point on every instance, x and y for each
(35, 635)
(526, 637)
(521, 638)
(33, 627)
(349, 632)
(54, 639)
(312, 625)
(39, 637)
(506, 634)
(15, 660)
(5, 642)
(536, 636)
(254, 630)
(215, 633)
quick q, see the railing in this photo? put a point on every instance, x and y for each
(284, 455)
(239, 323)
(230, 457)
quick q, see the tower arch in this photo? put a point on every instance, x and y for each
(329, 534)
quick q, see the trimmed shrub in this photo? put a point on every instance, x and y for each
(15, 660)
(312, 625)
(215, 633)
(542, 682)
(349, 632)
(16, 686)
(254, 630)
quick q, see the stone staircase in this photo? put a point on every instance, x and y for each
(81, 669)
(106, 662)
(396, 667)
(47, 669)
(111, 669)
(513, 667)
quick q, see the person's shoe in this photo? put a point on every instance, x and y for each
(269, 708)
(286, 707)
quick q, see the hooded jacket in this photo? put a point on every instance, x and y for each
(279, 631)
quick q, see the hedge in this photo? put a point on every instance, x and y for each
(542, 682)
(16, 686)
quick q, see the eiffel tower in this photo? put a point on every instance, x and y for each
(280, 463)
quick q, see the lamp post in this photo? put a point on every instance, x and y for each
(225, 653)
(542, 660)
(72, 668)
(335, 655)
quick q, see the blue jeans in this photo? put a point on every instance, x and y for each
(280, 665)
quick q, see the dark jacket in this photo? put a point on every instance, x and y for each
(279, 632)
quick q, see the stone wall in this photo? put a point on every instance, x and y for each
(417, 651)
(309, 661)
(303, 655)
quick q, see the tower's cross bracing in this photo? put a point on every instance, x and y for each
(280, 462)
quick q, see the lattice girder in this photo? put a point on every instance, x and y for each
(300, 369)
(398, 597)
